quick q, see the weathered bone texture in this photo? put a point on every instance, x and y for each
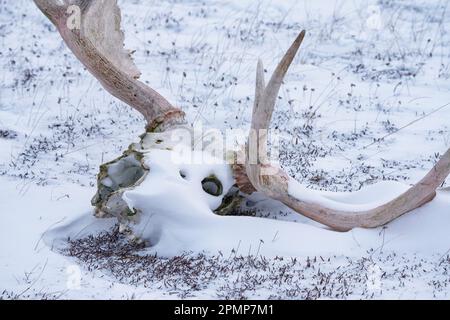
(98, 42)
(99, 45)
(277, 186)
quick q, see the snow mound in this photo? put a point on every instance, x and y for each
(181, 222)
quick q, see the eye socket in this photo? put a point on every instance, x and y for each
(212, 185)
(183, 174)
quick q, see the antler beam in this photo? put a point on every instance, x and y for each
(276, 184)
(98, 43)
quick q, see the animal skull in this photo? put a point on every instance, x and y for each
(149, 173)
(137, 188)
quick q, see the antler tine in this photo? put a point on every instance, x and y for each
(265, 100)
(259, 88)
(98, 42)
(276, 184)
(263, 116)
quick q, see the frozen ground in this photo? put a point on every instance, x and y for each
(366, 101)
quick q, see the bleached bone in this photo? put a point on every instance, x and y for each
(123, 183)
(98, 42)
(276, 184)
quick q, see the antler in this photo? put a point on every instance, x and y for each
(98, 43)
(276, 184)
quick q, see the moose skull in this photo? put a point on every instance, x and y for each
(138, 187)
(145, 179)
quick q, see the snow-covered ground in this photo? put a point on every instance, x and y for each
(367, 101)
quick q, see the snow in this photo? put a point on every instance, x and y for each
(362, 200)
(186, 223)
(352, 87)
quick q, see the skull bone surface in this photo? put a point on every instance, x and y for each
(166, 179)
